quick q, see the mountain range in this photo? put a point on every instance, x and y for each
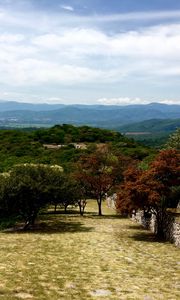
(109, 116)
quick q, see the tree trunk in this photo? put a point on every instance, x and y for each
(33, 218)
(99, 202)
(65, 208)
(160, 217)
(27, 225)
(80, 209)
(82, 205)
(30, 221)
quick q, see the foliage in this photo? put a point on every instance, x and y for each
(152, 126)
(69, 193)
(19, 147)
(174, 140)
(154, 140)
(28, 188)
(153, 132)
(152, 189)
(99, 173)
(27, 146)
(68, 134)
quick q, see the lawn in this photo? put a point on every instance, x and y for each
(90, 257)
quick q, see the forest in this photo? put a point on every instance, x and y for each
(67, 165)
(28, 145)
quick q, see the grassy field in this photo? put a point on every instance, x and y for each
(73, 257)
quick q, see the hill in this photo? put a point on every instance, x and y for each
(153, 132)
(15, 105)
(151, 126)
(15, 114)
(61, 144)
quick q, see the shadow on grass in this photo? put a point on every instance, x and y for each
(60, 212)
(144, 234)
(91, 215)
(49, 227)
(147, 237)
(87, 214)
(137, 226)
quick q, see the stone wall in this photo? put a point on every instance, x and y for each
(171, 226)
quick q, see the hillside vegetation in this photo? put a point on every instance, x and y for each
(30, 146)
(153, 122)
(151, 126)
(154, 132)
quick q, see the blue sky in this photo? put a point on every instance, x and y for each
(90, 51)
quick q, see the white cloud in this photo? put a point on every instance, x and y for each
(11, 38)
(139, 16)
(156, 42)
(130, 101)
(67, 7)
(38, 49)
(54, 100)
(25, 17)
(121, 101)
(32, 72)
(82, 55)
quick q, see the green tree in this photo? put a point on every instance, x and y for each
(174, 140)
(30, 187)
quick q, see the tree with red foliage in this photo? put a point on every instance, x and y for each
(151, 190)
(99, 172)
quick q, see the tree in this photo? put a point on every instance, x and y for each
(69, 193)
(152, 190)
(99, 173)
(174, 140)
(30, 187)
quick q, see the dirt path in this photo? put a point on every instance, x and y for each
(70, 257)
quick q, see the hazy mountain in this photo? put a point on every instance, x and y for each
(14, 105)
(94, 115)
(154, 125)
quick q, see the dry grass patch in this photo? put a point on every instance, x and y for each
(73, 257)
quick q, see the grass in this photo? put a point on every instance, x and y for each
(72, 257)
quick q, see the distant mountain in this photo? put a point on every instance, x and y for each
(94, 115)
(14, 105)
(152, 126)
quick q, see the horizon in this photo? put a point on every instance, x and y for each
(87, 104)
(90, 52)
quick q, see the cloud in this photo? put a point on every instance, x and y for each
(58, 49)
(67, 7)
(32, 72)
(11, 38)
(22, 15)
(121, 101)
(80, 55)
(131, 101)
(139, 16)
(54, 100)
(155, 42)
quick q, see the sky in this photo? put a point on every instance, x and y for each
(90, 51)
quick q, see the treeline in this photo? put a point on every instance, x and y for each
(150, 182)
(28, 182)
(27, 188)
(69, 134)
(27, 146)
